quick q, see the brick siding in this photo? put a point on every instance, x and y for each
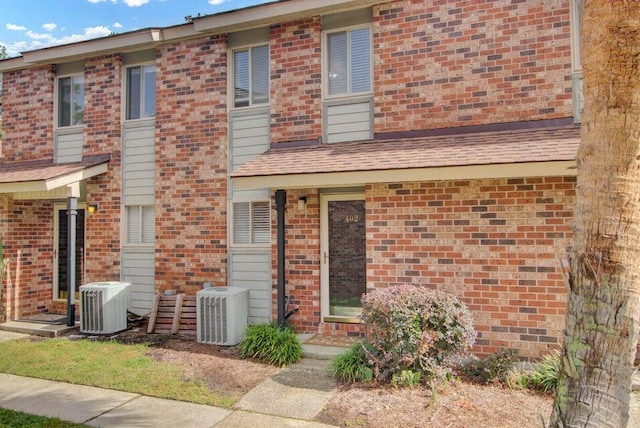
(191, 165)
(448, 63)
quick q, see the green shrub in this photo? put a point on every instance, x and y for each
(544, 376)
(497, 368)
(406, 378)
(353, 365)
(417, 329)
(272, 344)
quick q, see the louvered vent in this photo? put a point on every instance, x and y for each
(222, 314)
(103, 307)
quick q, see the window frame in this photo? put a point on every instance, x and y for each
(252, 221)
(327, 54)
(126, 92)
(58, 104)
(141, 242)
(232, 76)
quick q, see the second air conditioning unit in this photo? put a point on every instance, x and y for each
(222, 314)
(103, 307)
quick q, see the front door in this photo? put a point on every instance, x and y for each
(343, 256)
(61, 247)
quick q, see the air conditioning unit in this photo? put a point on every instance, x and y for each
(103, 307)
(222, 314)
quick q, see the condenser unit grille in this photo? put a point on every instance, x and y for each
(214, 320)
(92, 318)
(222, 315)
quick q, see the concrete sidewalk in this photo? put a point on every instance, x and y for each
(291, 398)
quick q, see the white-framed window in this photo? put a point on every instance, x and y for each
(348, 61)
(251, 222)
(70, 101)
(140, 226)
(140, 92)
(250, 76)
(576, 61)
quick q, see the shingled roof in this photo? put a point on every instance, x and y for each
(522, 146)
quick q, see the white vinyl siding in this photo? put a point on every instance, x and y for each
(349, 62)
(68, 145)
(70, 101)
(141, 92)
(249, 136)
(251, 222)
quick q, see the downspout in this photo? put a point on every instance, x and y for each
(281, 199)
(72, 212)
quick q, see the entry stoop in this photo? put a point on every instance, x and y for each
(45, 325)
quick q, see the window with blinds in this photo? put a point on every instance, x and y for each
(349, 61)
(251, 76)
(251, 222)
(140, 224)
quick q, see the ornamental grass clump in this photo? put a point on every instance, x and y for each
(271, 344)
(415, 330)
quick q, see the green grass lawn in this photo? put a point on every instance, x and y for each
(13, 419)
(105, 364)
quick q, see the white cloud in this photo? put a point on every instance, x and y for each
(102, 1)
(41, 40)
(117, 25)
(135, 3)
(49, 26)
(216, 2)
(14, 27)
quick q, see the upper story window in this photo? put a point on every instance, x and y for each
(70, 108)
(141, 92)
(348, 57)
(251, 76)
(576, 62)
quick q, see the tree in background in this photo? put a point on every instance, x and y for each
(603, 310)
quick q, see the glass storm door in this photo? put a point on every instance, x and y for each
(61, 246)
(343, 256)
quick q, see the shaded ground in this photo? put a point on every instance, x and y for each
(456, 405)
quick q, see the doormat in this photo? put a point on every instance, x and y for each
(53, 319)
(339, 341)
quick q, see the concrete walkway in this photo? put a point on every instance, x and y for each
(291, 398)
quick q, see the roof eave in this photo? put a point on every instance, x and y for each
(359, 178)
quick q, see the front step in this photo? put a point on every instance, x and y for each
(37, 329)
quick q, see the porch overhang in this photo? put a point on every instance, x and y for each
(539, 152)
(46, 180)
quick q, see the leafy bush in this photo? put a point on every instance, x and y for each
(544, 376)
(406, 378)
(415, 328)
(272, 344)
(353, 365)
(497, 368)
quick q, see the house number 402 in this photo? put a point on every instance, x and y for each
(352, 218)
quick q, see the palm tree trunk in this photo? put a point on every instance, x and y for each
(603, 311)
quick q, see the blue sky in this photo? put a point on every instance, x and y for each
(33, 24)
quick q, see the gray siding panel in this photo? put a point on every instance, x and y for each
(249, 134)
(68, 146)
(138, 268)
(251, 269)
(348, 120)
(139, 164)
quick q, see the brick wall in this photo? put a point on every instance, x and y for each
(29, 232)
(446, 63)
(102, 134)
(302, 258)
(296, 109)
(191, 164)
(494, 243)
(28, 114)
